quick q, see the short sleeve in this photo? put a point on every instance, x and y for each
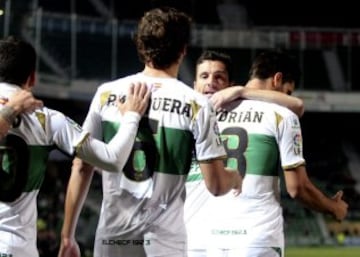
(67, 134)
(93, 119)
(290, 142)
(208, 144)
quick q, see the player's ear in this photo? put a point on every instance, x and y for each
(277, 80)
(30, 82)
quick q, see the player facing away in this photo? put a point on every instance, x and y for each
(142, 207)
(26, 146)
(259, 137)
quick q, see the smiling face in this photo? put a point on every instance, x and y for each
(211, 76)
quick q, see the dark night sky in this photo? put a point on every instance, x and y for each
(262, 13)
(305, 13)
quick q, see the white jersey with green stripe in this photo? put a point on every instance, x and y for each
(24, 154)
(148, 196)
(261, 139)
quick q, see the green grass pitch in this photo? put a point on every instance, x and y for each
(322, 252)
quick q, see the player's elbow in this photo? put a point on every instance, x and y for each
(111, 167)
(297, 191)
(214, 188)
(294, 190)
(300, 107)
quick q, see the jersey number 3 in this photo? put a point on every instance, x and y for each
(235, 140)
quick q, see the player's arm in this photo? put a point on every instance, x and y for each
(299, 187)
(235, 92)
(298, 184)
(77, 190)
(210, 151)
(219, 180)
(20, 102)
(293, 103)
(112, 156)
(7, 117)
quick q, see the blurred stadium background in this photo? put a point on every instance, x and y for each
(82, 43)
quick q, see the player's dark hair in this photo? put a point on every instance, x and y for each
(267, 63)
(17, 60)
(162, 35)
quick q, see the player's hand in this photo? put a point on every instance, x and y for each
(238, 185)
(69, 248)
(224, 96)
(237, 181)
(137, 99)
(22, 101)
(341, 207)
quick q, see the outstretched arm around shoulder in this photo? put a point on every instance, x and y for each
(232, 93)
(113, 155)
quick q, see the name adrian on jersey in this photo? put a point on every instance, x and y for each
(238, 117)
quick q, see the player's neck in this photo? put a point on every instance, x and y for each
(256, 84)
(171, 72)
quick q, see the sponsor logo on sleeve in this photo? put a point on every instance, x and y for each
(297, 144)
(217, 133)
(295, 122)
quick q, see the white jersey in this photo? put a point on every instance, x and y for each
(260, 138)
(24, 154)
(143, 206)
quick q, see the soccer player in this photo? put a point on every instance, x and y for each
(26, 146)
(214, 79)
(142, 207)
(260, 138)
